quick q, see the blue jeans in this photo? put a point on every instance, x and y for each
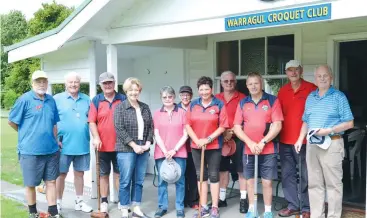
(132, 168)
(289, 160)
(180, 185)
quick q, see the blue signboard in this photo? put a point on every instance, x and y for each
(279, 17)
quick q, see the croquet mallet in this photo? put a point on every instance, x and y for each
(98, 214)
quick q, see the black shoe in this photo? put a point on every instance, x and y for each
(159, 213)
(222, 203)
(243, 206)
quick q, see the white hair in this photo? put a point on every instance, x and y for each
(325, 66)
(72, 74)
(225, 73)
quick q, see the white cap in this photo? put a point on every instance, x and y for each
(170, 171)
(293, 63)
(39, 74)
(323, 142)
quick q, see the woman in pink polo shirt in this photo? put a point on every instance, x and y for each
(171, 136)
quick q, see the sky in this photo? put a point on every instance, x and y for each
(28, 7)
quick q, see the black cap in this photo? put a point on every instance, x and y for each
(186, 89)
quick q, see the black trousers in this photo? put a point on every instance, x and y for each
(191, 185)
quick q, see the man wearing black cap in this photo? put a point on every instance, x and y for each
(191, 192)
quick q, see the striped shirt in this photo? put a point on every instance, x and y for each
(327, 111)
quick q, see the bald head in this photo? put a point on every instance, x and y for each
(72, 83)
(325, 68)
(323, 77)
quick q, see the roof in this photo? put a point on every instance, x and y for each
(50, 32)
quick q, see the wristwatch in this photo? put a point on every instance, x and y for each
(265, 142)
(210, 139)
(332, 131)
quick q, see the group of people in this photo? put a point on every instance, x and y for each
(231, 127)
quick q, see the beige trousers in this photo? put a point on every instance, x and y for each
(325, 173)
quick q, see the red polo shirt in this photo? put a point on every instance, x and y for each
(101, 112)
(255, 118)
(293, 105)
(204, 121)
(231, 105)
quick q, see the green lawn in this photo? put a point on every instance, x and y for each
(10, 169)
(13, 209)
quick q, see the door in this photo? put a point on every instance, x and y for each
(353, 81)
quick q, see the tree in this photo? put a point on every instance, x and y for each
(48, 17)
(14, 28)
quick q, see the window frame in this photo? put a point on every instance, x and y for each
(262, 33)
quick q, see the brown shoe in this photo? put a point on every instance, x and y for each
(287, 212)
(306, 215)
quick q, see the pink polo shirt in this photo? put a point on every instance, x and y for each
(170, 129)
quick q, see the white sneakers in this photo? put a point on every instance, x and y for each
(82, 206)
(104, 207)
(124, 213)
(79, 206)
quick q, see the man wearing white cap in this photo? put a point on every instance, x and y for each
(292, 98)
(34, 116)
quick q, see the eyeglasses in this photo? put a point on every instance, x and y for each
(229, 81)
(107, 83)
(170, 97)
(185, 95)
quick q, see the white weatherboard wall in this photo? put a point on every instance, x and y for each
(75, 58)
(156, 71)
(198, 64)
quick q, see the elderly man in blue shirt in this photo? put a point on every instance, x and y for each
(73, 108)
(34, 116)
(327, 115)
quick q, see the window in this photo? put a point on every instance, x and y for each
(266, 55)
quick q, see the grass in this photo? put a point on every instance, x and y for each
(10, 168)
(13, 209)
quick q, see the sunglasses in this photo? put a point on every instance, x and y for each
(229, 81)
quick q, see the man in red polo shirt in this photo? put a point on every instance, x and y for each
(101, 125)
(292, 98)
(257, 122)
(231, 97)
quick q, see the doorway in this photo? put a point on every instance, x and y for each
(352, 65)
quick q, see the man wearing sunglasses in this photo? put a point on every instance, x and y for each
(231, 97)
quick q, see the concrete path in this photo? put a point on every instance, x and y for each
(149, 202)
